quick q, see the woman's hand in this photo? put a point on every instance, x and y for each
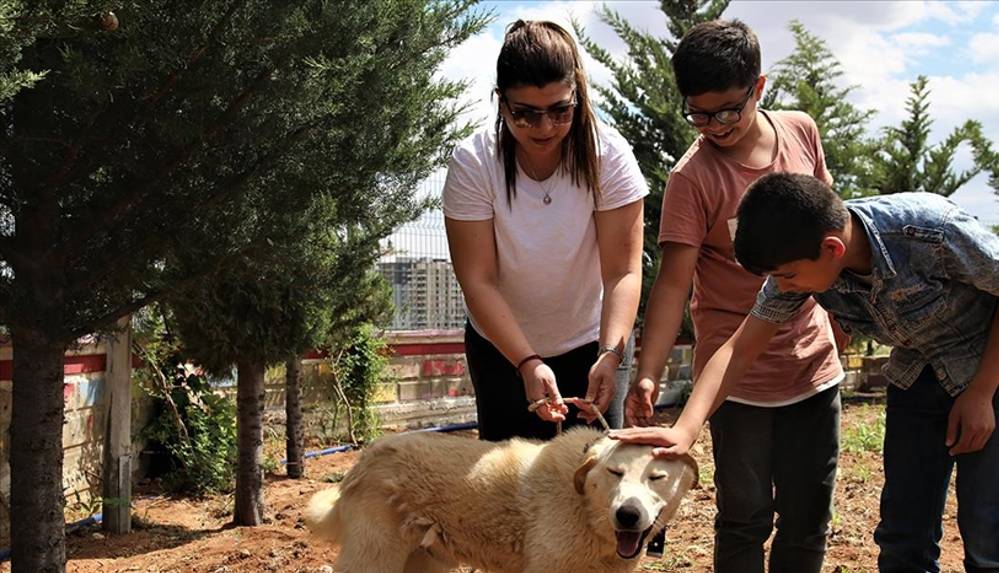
(539, 384)
(602, 383)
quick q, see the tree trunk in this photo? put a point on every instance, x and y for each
(293, 416)
(249, 508)
(38, 543)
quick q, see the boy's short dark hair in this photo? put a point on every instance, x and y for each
(783, 217)
(716, 56)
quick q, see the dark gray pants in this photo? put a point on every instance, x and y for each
(775, 460)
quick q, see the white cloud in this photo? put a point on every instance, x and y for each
(979, 199)
(475, 62)
(984, 47)
(954, 100)
(954, 13)
(921, 40)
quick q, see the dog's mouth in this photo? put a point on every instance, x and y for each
(630, 543)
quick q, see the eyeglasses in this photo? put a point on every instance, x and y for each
(560, 114)
(726, 116)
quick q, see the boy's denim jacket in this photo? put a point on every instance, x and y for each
(932, 294)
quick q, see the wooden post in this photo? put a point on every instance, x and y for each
(117, 490)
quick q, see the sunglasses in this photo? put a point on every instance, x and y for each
(560, 114)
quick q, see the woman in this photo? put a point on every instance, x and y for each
(544, 224)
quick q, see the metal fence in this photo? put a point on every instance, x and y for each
(417, 265)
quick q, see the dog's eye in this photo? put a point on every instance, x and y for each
(615, 472)
(656, 477)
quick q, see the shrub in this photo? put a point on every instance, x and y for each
(194, 425)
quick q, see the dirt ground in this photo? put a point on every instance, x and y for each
(185, 535)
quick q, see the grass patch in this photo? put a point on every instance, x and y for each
(669, 562)
(865, 435)
(860, 472)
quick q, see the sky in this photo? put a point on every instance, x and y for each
(881, 45)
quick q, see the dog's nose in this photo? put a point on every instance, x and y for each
(628, 514)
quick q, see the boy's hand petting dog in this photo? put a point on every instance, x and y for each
(669, 442)
(539, 383)
(971, 422)
(639, 406)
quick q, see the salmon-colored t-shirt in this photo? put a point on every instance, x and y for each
(699, 209)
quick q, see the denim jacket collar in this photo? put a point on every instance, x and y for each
(882, 265)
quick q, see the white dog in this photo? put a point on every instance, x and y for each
(425, 503)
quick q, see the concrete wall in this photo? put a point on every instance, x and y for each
(428, 381)
(83, 429)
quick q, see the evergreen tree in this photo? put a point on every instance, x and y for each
(317, 279)
(148, 145)
(906, 162)
(643, 103)
(807, 80)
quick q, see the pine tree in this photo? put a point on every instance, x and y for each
(906, 162)
(643, 103)
(315, 281)
(147, 145)
(808, 80)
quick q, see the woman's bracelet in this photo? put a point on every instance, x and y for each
(608, 348)
(526, 360)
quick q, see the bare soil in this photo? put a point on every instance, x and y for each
(193, 535)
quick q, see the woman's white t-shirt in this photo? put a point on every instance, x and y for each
(547, 257)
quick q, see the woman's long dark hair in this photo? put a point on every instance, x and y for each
(537, 53)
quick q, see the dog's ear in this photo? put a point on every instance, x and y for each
(579, 480)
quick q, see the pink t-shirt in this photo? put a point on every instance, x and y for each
(699, 209)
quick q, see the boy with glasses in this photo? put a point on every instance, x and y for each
(776, 439)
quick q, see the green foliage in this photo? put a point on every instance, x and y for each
(194, 425)
(906, 162)
(273, 443)
(203, 463)
(865, 435)
(313, 285)
(192, 133)
(808, 80)
(358, 367)
(643, 103)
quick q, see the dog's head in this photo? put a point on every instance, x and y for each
(639, 492)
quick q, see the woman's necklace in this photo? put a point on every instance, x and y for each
(547, 199)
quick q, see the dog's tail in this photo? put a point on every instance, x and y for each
(321, 516)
